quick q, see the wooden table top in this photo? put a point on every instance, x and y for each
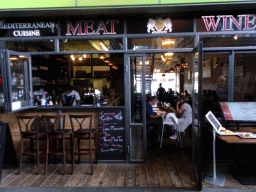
(234, 139)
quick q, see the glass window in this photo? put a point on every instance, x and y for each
(86, 45)
(1, 89)
(99, 81)
(30, 46)
(19, 82)
(215, 82)
(245, 77)
(161, 43)
(153, 25)
(229, 40)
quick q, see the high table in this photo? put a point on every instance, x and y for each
(243, 173)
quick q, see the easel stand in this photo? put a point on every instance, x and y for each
(213, 177)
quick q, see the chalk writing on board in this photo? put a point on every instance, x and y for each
(111, 149)
(111, 132)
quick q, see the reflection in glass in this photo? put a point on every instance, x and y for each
(1, 89)
(245, 77)
(215, 82)
(136, 107)
(19, 73)
(161, 43)
(30, 46)
(229, 40)
(85, 45)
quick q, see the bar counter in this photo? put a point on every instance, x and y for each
(53, 110)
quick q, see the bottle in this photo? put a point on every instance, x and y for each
(43, 100)
(14, 79)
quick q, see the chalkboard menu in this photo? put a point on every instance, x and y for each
(8, 156)
(111, 135)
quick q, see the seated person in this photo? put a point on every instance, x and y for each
(70, 97)
(184, 111)
(170, 112)
(153, 119)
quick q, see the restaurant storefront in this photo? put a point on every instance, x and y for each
(113, 61)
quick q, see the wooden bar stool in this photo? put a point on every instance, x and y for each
(29, 127)
(56, 132)
(81, 130)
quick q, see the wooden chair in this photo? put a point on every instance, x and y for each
(29, 127)
(85, 132)
(55, 131)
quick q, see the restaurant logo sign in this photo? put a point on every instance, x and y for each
(88, 27)
(229, 23)
(159, 25)
(27, 29)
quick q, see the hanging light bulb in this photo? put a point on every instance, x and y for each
(184, 65)
(177, 66)
(107, 60)
(101, 56)
(84, 56)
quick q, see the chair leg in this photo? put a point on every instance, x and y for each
(91, 156)
(73, 155)
(78, 149)
(47, 155)
(64, 155)
(21, 153)
(179, 136)
(38, 155)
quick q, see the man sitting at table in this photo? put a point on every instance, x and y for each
(153, 120)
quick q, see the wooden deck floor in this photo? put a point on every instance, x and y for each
(169, 167)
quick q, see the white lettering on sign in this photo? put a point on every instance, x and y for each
(27, 25)
(26, 33)
(87, 27)
(229, 22)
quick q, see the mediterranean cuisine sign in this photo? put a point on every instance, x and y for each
(30, 29)
(230, 23)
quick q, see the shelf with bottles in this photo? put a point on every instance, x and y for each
(17, 80)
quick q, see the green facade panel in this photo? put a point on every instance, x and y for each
(85, 3)
(32, 4)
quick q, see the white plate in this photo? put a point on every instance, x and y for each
(222, 133)
(251, 136)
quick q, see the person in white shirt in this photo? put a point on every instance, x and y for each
(72, 95)
(184, 111)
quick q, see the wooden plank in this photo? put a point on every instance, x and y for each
(141, 180)
(15, 176)
(184, 168)
(62, 180)
(151, 174)
(96, 178)
(52, 178)
(81, 174)
(120, 176)
(163, 176)
(7, 171)
(129, 176)
(30, 179)
(109, 176)
(24, 175)
(51, 168)
(172, 172)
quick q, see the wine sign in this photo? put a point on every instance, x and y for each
(111, 135)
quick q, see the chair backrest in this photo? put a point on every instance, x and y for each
(25, 123)
(54, 123)
(171, 119)
(80, 120)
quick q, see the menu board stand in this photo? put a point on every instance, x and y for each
(214, 177)
(8, 156)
